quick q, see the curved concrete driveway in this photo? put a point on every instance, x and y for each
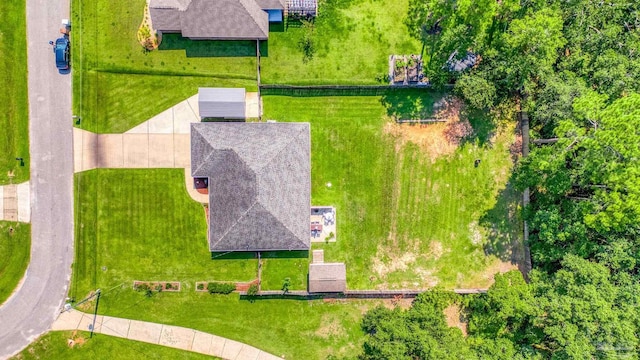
(34, 306)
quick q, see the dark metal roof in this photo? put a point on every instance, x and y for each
(226, 103)
(327, 277)
(259, 184)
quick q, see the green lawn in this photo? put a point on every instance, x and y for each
(14, 112)
(54, 345)
(142, 225)
(405, 221)
(15, 249)
(352, 41)
(117, 85)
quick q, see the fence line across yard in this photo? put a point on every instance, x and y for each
(349, 294)
(339, 90)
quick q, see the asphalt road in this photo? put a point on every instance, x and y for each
(34, 306)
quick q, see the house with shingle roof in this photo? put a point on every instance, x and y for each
(216, 19)
(259, 180)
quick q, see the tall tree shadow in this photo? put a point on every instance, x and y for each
(505, 228)
(212, 48)
(411, 103)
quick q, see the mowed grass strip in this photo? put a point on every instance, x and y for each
(403, 219)
(292, 329)
(15, 246)
(14, 112)
(351, 41)
(117, 102)
(55, 345)
(117, 85)
(142, 225)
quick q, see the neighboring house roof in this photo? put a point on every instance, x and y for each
(327, 277)
(226, 103)
(270, 4)
(213, 19)
(259, 184)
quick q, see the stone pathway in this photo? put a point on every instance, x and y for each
(15, 202)
(165, 335)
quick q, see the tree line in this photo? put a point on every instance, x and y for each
(573, 65)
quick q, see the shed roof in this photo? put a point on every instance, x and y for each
(259, 184)
(327, 277)
(222, 103)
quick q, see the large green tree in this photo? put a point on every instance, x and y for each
(418, 333)
(586, 187)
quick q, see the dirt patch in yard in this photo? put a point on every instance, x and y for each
(330, 326)
(436, 139)
(455, 318)
(387, 262)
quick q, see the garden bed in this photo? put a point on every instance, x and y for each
(170, 286)
(202, 286)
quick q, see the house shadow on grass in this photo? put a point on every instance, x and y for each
(212, 48)
(295, 254)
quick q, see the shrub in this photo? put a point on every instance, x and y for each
(168, 286)
(200, 286)
(142, 287)
(159, 287)
(252, 290)
(220, 287)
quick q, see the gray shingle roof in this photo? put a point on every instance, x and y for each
(270, 4)
(165, 19)
(259, 184)
(211, 19)
(226, 103)
(327, 277)
(169, 4)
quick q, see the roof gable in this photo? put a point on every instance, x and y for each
(224, 19)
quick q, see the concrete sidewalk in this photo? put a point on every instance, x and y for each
(15, 202)
(165, 335)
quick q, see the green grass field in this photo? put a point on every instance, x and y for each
(54, 345)
(405, 221)
(15, 249)
(352, 41)
(142, 225)
(14, 112)
(117, 85)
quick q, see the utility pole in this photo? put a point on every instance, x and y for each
(95, 313)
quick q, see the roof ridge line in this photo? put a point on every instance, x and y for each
(237, 221)
(243, 4)
(293, 138)
(249, 208)
(279, 151)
